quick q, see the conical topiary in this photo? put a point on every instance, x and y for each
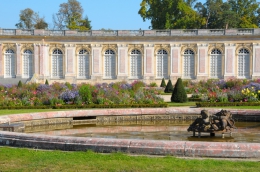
(20, 84)
(169, 87)
(46, 82)
(179, 94)
(163, 84)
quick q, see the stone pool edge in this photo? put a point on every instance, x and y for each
(149, 147)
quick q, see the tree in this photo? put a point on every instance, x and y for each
(179, 94)
(46, 82)
(163, 84)
(26, 19)
(246, 11)
(170, 14)
(20, 84)
(31, 20)
(70, 16)
(169, 87)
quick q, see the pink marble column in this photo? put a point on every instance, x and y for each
(229, 61)
(148, 61)
(202, 58)
(1, 62)
(70, 62)
(121, 61)
(41, 66)
(18, 61)
(96, 62)
(257, 61)
(175, 60)
(36, 59)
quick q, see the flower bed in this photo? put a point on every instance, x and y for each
(83, 95)
(231, 90)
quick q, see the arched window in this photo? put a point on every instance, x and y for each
(215, 64)
(9, 64)
(27, 64)
(83, 64)
(162, 64)
(57, 64)
(243, 65)
(110, 64)
(188, 64)
(136, 64)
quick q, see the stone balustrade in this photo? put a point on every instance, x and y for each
(173, 32)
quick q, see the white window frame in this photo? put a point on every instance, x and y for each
(57, 64)
(243, 63)
(109, 64)
(27, 64)
(162, 64)
(135, 64)
(83, 64)
(9, 64)
(188, 65)
(216, 64)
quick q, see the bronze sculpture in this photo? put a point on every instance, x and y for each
(219, 122)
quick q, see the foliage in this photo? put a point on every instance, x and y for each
(31, 20)
(70, 16)
(85, 93)
(20, 84)
(163, 84)
(153, 84)
(179, 93)
(46, 82)
(169, 87)
(173, 14)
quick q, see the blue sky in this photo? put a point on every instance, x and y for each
(107, 14)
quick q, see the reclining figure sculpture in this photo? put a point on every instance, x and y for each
(219, 122)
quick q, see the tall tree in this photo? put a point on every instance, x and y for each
(31, 20)
(70, 16)
(169, 14)
(247, 11)
(26, 19)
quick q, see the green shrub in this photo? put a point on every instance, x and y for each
(153, 84)
(179, 94)
(46, 82)
(85, 94)
(163, 84)
(20, 84)
(169, 87)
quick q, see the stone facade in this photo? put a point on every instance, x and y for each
(110, 56)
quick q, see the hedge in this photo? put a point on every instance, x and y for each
(218, 104)
(161, 105)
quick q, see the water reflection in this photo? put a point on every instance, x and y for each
(175, 131)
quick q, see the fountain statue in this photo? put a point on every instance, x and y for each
(219, 122)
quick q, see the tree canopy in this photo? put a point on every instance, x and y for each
(70, 16)
(189, 14)
(31, 20)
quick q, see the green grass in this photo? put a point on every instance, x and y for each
(19, 159)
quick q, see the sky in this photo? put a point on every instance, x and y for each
(106, 14)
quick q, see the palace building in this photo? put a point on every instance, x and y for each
(98, 56)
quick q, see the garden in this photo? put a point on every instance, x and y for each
(68, 95)
(211, 92)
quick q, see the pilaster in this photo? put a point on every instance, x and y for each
(175, 61)
(122, 67)
(256, 61)
(96, 73)
(36, 63)
(69, 61)
(202, 61)
(18, 61)
(1, 62)
(230, 50)
(148, 61)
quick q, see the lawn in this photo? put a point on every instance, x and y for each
(20, 159)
